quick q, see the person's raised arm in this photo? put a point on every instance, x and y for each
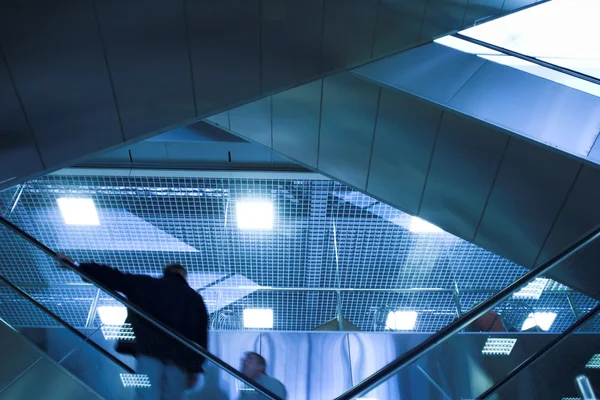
(110, 277)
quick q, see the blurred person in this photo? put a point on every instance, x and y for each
(254, 366)
(171, 367)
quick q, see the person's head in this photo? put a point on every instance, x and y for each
(175, 269)
(253, 365)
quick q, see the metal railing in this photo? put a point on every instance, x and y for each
(131, 306)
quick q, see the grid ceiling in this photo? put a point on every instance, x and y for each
(148, 222)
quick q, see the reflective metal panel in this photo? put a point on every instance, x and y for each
(291, 41)
(480, 10)
(348, 118)
(402, 146)
(198, 152)
(511, 5)
(253, 121)
(149, 152)
(18, 155)
(296, 114)
(45, 380)
(433, 71)
(149, 62)
(16, 354)
(398, 25)
(531, 186)
(225, 42)
(57, 63)
(466, 158)
(532, 106)
(221, 119)
(317, 367)
(348, 31)
(579, 215)
(443, 16)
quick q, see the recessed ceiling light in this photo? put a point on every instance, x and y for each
(498, 346)
(254, 214)
(112, 315)
(78, 211)
(542, 319)
(417, 225)
(258, 318)
(594, 362)
(135, 380)
(401, 320)
(118, 332)
(533, 290)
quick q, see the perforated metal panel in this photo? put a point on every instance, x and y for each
(332, 251)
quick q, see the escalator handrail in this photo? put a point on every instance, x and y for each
(66, 325)
(163, 327)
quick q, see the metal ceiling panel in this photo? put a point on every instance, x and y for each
(443, 16)
(349, 111)
(510, 5)
(465, 162)
(296, 116)
(531, 106)
(18, 153)
(348, 32)
(149, 63)
(145, 152)
(221, 119)
(291, 41)
(225, 49)
(57, 64)
(253, 121)
(579, 215)
(15, 348)
(433, 71)
(530, 189)
(199, 153)
(480, 10)
(398, 25)
(402, 147)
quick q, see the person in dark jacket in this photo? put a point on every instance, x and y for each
(170, 366)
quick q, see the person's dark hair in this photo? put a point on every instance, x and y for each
(261, 360)
(175, 269)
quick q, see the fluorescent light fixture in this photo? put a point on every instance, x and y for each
(118, 332)
(542, 319)
(112, 315)
(401, 320)
(594, 362)
(78, 211)
(498, 346)
(258, 318)
(135, 380)
(533, 290)
(417, 225)
(254, 214)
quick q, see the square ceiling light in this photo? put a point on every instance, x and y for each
(78, 211)
(418, 225)
(112, 315)
(258, 318)
(594, 362)
(533, 290)
(254, 214)
(135, 380)
(401, 320)
(542, 319)
(498, 346)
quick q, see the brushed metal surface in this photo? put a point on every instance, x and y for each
(296, 114)
(45, 380)
(531, 186)
(291, 41)
(442, 17)
(253, 121)
(16, 354)
(402, 147)
(149, 63)
(348, 32)
(466, 158)
(60, 74)
(18, 155)
(310, 365)
(225, 42)
(432, 71)
(540, 109)
(398, 25)
(348, 117)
